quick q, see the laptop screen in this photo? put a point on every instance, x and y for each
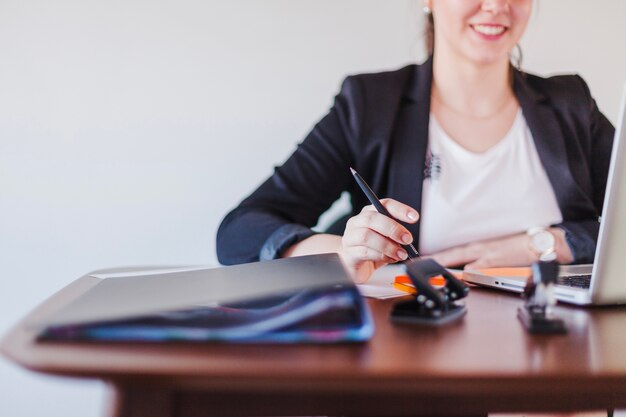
(608, 285)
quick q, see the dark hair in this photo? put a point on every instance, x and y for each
(430, 33)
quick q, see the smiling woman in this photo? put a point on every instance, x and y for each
(127, 131)
(490, 159)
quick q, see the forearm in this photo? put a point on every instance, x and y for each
(250, 235)
(319, 243)
(242, 234)
(326, 243)
(581, 237)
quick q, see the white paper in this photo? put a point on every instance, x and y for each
(380, 285)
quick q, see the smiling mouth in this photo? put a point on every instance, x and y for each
(490, 30)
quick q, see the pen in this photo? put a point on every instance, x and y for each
(410, 249)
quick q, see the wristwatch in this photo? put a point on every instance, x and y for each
(543, 243)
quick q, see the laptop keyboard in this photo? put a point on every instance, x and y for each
(577, 281)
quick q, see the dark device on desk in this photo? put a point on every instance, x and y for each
(301, 299)
(537, 315)
(432, 306)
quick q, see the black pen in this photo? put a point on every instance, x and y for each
(410, 249)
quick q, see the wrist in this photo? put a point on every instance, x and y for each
(549, 244)
(563, 250)
(542, 244)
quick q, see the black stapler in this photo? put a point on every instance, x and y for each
(431, 306)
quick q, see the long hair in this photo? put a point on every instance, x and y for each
(430, 33)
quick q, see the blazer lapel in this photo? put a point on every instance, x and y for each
(549, 140)
(409, 142)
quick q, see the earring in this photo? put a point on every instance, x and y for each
(427, 10)
(517, 59)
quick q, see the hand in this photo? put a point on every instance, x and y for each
(510, 250)
(372, 240)
(513, 250)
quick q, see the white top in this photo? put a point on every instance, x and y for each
(468, 196)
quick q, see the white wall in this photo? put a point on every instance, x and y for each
(129, 128)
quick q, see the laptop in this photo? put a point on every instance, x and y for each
(603, 282)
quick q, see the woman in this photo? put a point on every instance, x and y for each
(500, 167)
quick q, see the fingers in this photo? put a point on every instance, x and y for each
(479, 264)
(381, 224)
(368, 243)
(458, 256)
(372, 239)
(400, 211)
(509, 250)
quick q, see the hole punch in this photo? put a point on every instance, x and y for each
(431, 306)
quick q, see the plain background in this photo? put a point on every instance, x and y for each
(129, 128)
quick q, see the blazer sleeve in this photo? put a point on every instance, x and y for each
(582, 235)
(283, 209)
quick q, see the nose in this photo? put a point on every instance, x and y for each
(495, 6)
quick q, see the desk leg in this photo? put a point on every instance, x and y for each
(139, 402)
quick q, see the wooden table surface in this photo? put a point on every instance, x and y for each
(486, 362)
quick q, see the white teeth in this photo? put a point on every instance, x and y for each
(489, 30)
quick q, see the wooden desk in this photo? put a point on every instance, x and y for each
(485, 363)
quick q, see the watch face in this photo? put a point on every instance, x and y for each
(542, 241)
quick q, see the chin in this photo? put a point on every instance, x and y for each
(488, 58)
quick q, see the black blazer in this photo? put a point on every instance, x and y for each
(379, 125)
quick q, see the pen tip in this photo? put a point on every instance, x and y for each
(352, 170)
